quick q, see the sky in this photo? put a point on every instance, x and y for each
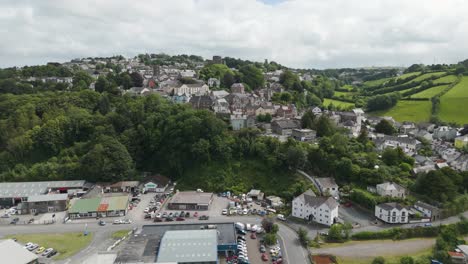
(295, 33)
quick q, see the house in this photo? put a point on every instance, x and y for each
(392, 213)
(461, 142)
(308, 206)
(250, 121)
(327, 186)
(187, 74)
(407, 127)
(255, 194)
(428, 210)
(284, 127)
(407, 144)
(353, 127)
(219, 94)
(264, 109)
(445, 133)
(237, 101)
(213, 83)
(181, 99)
(237, 88)
(14, 253)
(156, 183)
(221, 106)
(123, 186)
(304, 134)
(316, 111)
(201, 102)
(391, 189)
(457, 257)
(286, 111)
(192, 89)
(464, 250)
(429, 127)
(238, 121)
(274, 201)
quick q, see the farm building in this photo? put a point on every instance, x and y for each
(190, 201)
(99, 207)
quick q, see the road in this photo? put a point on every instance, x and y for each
(293, 250)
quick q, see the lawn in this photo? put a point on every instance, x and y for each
(342, 104)
(66, 244)
(429, 93)
(389, 259)
(120, 234)
(348, 87)
(345, 94)
(446, 79)
(415, 111)
(454, 103)
(378, 82)
(410, 74)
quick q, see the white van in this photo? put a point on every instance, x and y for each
(239, 226)
(248, 227)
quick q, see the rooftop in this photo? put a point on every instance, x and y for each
(14, 253)
(26, 189)
(327, 182)
(112, 203)
(48, 197)
(189, 246)
(192, 197)
(125, 184)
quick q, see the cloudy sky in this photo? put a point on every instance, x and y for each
(296, 33)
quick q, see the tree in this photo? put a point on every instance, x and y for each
(303, 237)
(269, 225)
(270, 239)
(406, 260)
(137, 79)
(228, 79)
(101, 84)
(295, 157)
(308, 120)
(385, 127)
(335, 233)
(82, 76)
(252, 76)
(324, 127)
(108, 160)
(378, 260)
(125, 80)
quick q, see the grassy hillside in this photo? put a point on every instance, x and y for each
(407, 75)
(378, 82)
(429, 93)
(453, 104)
(415, 111)
(446, 79)
(342, 104)
(427, 76)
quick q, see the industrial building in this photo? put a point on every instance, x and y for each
(173, 243)
(189, 246)
(45, 203)
(190, 201)
(14, 193)
(14, 253)
(99, 207)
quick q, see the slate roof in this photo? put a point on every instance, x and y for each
(426, 206)
(287, 123)
(26, 189)
(198, 246)
(391, 206)
(191, 197)
(14, 253)
(48, 197)
(327, 182)
(312, 200)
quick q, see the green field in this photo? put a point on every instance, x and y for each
(427, 76)
(453, 104)
(410, 74)
(415, 111)
(342, 104)
(446, 79)
(348, 87)
(378, 82)
(66, 244)
(429, 93)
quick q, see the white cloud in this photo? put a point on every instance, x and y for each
(297, 33)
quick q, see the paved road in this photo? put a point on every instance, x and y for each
(293, 251)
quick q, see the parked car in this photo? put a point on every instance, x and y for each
(52, 253)
(118, 222)
(203, 217)
(253, 236)
(224, 212)
(147, 216)
(164, 215)
(241, 232)
(195, 214)
(126, 221)
(14, 221)
(47, 251)
(158, 220)
(27, 245)
(102, 223)
(187, 214)
(32, 247)
(182, 214)
(40, 250)
(262, 249)
(264, 257)
(158, 215)
(6, 216)
(180, 219)
(281, 217)
(169, 219)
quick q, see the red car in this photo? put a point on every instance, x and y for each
(253, 236)
(264, 257)
(180, 219)
(195, 214)
(278, 261)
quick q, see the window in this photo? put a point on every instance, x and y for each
(393, 219)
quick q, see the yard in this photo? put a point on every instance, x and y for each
(415, 111)
(66, 244)
(453, 103)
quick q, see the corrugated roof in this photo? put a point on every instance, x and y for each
(117, 203)
(85, 205)
(26, 189)
(48, 197)
(14, 253)
(191, 197)
(189, 246)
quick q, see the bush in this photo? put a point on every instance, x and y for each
(270, 239)
(378, 260)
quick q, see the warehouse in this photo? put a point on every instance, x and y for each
(99, 207)
(189, 246)
(13, 193)
(190, 201)
(45, 203)
(14, 253)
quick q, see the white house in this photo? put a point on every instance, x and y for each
(323, 210)
(407, 144)
(428, 210)
(392, 213)
(192, 89)
(327, 186)
(391, 189)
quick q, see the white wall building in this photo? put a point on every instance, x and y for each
(323, 210)
(392, 213)
(327, 186)
(391, 189)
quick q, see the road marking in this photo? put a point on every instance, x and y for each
(284, 247)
